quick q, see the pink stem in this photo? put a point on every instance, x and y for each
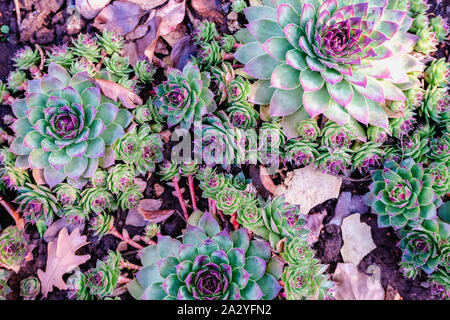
(234, 221)
(123, 279)
(228, 56)
(180, 198)
(237, 45)
(20, 223)
(132, 243)
(237, 66)
(192, 191)
(129, 265)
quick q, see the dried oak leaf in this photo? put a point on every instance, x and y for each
(208, 9)
(120, 16)
(116, 92)
(61, 259)
(172, 15)
(182, 51)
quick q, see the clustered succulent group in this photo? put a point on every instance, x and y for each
(350, 87)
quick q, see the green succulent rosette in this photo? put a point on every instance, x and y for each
(82, 65)
(421, 249)
(120, 178)
(65, 127)
(228, 200)
(142, 114)
(220, 80)
(212, 183)
(415, 147)
(440, 172)
(417, 6)
(17, 80)
(206, 31)
(145, 71)
(151, 229)
(208, 55)
(306, 282)
(329, 57)
(441, 283)
(169, 170)
(14, 248)
(440, 148)
(38, 205)
(188, 168)
(402, 126)
(26, 58)
(440, 27)
(4, 94)
(185, 97)
(152, 146)
(403, 195)
(227, 43)
(4, 288)
(67, 194)
(308, 130)
(101, 224)
(111, 41)
(102, 280)
(117, 65)
(368, 157)
(425, 130)
(238, 90)
(14, 177)
(99, 178)
(208, 264)
(238, 6)
(30, 288)
(334, 161)
(238, 181)
(86, 46)
(129, 198)
(242, 115)
(435, 104)
(415, 96)
(61, 55)
(437, 73)
(97, 200)
(298, 252)
(75, 215)
(300, 152)
(338, 136)
(427, 41)
(271, 142)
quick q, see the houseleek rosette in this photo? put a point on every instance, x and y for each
(17, 80)
(297, 251)
(440, 172)
(403, 195)
(111, 41)
(30, 288)
(415, 147)
(440, 148)
(38, 205)
(206, 31)
(208, 264)
(221, 79)
(367, 157)
(14, 248)
(67, 194)
(308, 130)
(102, 280)
(435, 104)
(334, 161)
(26, 58)
(4, 288)
(300, 152)
(118, 65)
(228, 200)
(211, 183)
(120, 178)
(440, 27)
(61, 55)
(101, 224)
(99, 178)
(185, 97)
(437, 74)
(129, 198)
(242, 115)
(97, 200)
(86, 46)
(238, 90)
(65, 127)
(329, 57)
(335, 135)
(144, 71)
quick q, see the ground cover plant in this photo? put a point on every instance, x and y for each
(225, 150)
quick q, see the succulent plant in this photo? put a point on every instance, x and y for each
(120, 178)
(206, 31)
(188, 168)
(441, 283)
(402, 126)
(14, 247)
(99, 178)
(208, 264)
(4, 94)
(151, 229)
(97, 200)
(403, 195)
(102, 280)
(70, 135)
(67, 194)
(238, 90)
(227, 42)
(377, 134)
(75, 215)
(418, 6)
(297, 251)
(26, 58)
(420, 21)
(415, 96)
(368, 157)
(329, 58)
(185, 96)
(61, 55)
(129, 198)
(30, 288)
(242, 115)
(169, 170)
(335, 135)
(437, 74)
(4, 288)
(228, 200)
(17, 81)
(101, 224)
(117, 65)
(306, 281)
(38, 205)
(441, 174)
(300, 152)
(427, 41)
(238, 6)
(142, 114)
(436, 103)
(425, 130)
(238, 181)
(221, 79)
(440, 148)
(208, 55)
(144, 71)
(415, 147)
(14, 177)
(86, 46)
(333, 161)
(420, 249)
(308, 130)
(111, 41)
(211, 182)
(83, 65)
(440, 27)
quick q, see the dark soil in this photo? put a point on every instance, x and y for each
(386, 255)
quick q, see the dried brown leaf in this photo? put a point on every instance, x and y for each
(156, 216)
(172, 15)
(61, 259)
(266, 180)
(153, 23)
(150, 50)
(392, 294)
(120, 16)
(208, 9)
(315, 224)
(116, 92)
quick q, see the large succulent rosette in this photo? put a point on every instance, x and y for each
(329, 57)
(65, 126)
(403, 195)
(208, 264)
(185, 96)
(14, 248)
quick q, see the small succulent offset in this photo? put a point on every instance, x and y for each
(111, 41)
(403, 195)
(437, 74)
(367, 157)
(17, 80)
(440, 148)
(61, 55)
(26, 59)
(238, 6)
(129, 198)
(4, 288)
(67, 194)
(97, 200)
(228, 200)
(206, 31)
(441, 174)
(99, 178)
(65, 126)
(120, 178)
(420, 250)
(208, 264)
(38, 205)
(30, 288)
(211, 182)
(329, 57)
(101, 224)
(334, 161)
(144, 71)
(300, 152)
(185, 97)
(335, 135)
(308, 130)
(14, 247)
(86, 46)
(118, 65)
(440, 27)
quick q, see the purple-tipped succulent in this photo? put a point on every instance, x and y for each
(329, 57)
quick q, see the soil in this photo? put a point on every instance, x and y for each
(386, 255)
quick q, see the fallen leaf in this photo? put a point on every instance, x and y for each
(175, 35)
(130, 51)
(172, 15)
(122, 246)
(148, 4)
(357, 239)
(89, 9)
(147, 211)
(159, 189)
(182, 51)
(153, 23)
(315, 224)
(348, 204)
(392, 294)
(156, 216)
(137, 33)
(61, 259)
(266, 180)
(142, 185)
(116, 92)
(38, 176)
(208, 9)
(354, 285)
(120, 16)
(309, 187)
(150, 50)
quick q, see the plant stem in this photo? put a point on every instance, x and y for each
(228, 56)
(14, 214)
(237, 45)
(132, 243)
(123, 279)
(192, 192)
(130, 266)
(180, 197)
(234, 221)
